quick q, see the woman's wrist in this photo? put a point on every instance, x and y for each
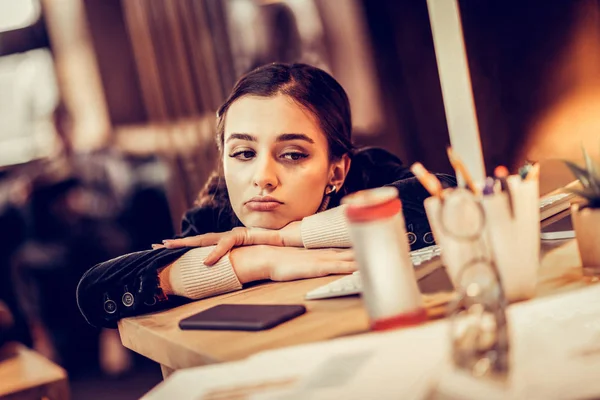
(164, 280)
(251, 263)
(326, 229)
(189, 277)
(291, 234)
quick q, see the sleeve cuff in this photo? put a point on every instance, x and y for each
(189, 277)
(326, 229)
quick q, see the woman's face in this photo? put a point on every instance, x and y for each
(275, 160)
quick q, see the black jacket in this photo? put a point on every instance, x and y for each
(128, 285)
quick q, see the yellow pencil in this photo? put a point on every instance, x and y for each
(460, 168)
(427, 179)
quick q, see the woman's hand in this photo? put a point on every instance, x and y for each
(254, 263)
(288, 236)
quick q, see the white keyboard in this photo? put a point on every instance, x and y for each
(352, 284)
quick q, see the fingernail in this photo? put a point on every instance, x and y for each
(165, 241)
(156, 246)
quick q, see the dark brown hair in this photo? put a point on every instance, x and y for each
(308, 86)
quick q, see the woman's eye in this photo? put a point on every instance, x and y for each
(243, 155)
(294, 156)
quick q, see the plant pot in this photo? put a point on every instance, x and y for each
(586, 223)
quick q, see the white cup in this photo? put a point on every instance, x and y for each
(458, 226)
(515, 238)
(510, 238)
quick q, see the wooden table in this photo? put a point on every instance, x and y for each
(27, 375)
(158, 337)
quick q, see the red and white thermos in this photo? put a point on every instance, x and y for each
(378, 235)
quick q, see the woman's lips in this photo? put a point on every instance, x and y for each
(262, 205)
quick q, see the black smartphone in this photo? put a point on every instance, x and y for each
(242, 317)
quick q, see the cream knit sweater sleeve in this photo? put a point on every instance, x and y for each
(189, 277)
(326, 229)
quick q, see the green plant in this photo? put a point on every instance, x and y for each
(589, 176)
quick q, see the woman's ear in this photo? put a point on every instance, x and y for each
(339, 171)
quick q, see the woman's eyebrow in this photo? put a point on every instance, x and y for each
(242, 136)
(294, 136)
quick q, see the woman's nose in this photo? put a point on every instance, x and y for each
(265, 175)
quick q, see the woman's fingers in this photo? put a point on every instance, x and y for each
(207, 239)
(336, 267)
(334, 254)
(316, 270)
(225, 241)
(238, 236)
(297, 263)
(343, 267)
(222, 247)
(242, 237)
(344, 254)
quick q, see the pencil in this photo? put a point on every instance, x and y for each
(427, 179)
(502, 174)
(460, 168)
(534, 172)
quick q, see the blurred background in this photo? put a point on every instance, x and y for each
(107, 121)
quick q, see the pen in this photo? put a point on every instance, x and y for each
(427, 179)
(502, 173)
(488, 189)
(459, 167)
(524, 170)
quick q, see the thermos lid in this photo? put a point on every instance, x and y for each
(372, 204)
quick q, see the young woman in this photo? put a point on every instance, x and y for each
(284, 135)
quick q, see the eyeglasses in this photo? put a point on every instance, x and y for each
(479, 331)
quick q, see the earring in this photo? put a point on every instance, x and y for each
(330, 190)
